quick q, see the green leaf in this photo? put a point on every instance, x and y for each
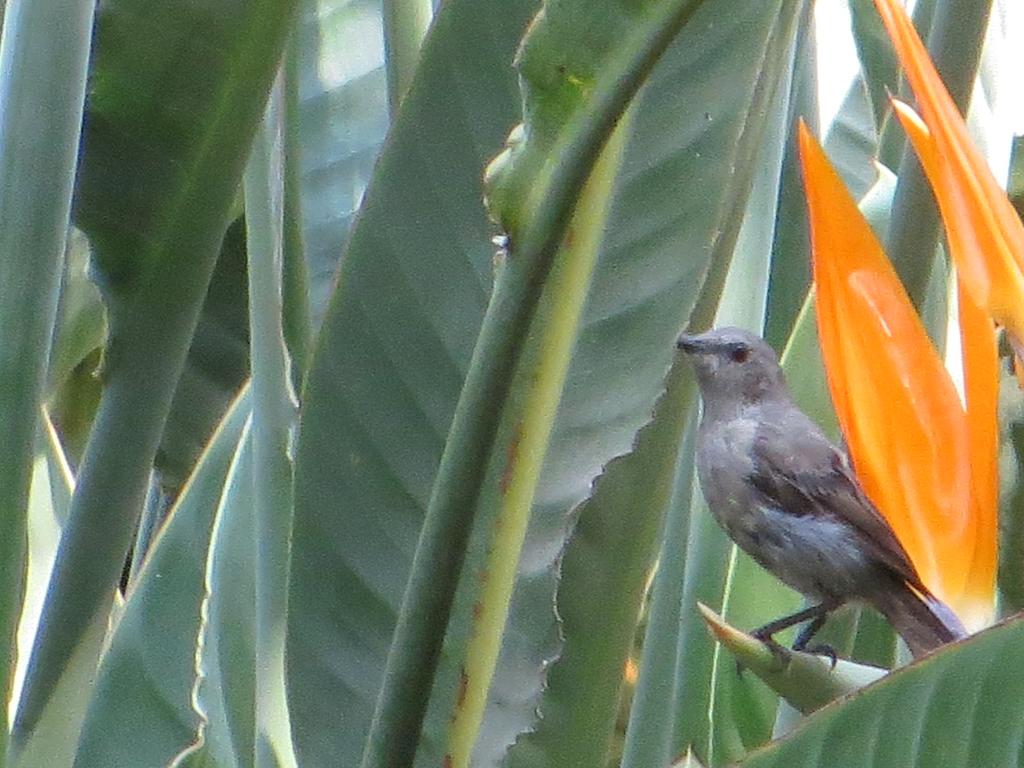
(1015, 186)
(746, 280)
(791, 248)
(296, 312)
(880, 74)
(524, 437)
(741, 714)
(810, 388)
(54, 737)
(892, 142)
(657, 209)
(949, 709)
(73, 388)
(707, 565)
(225, 689)
(145, 680)
(196, 756)
(1011, 493)
(626, 342)
(571, 97)
(880, 71)
(994, 112)
(81, 327)
(215, 369)
(339, 122)
(603, 576)
(649, 733)
(852, 144)
(52, 484)
(650, 196)
(43, 57)
(175, 96)
(687, 761)
(393, 350)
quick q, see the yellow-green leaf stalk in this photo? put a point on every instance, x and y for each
(538, 390)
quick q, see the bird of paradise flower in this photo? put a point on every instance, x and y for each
(927, 459)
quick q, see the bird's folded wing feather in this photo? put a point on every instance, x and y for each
(800, 471)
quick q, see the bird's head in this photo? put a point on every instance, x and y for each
(733, 366)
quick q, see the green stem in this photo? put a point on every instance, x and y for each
(272, 419)
(297, 314)
(44, 56)
(405, 24)
(649, 733)
(426, 605)
(539, 384)
(955, 42)
(790, 262)
(111, 490)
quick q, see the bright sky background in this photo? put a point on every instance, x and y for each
(836, 70)
(1006, 61)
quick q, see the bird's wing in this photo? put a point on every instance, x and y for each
(798, 470)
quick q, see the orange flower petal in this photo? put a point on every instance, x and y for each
(981, 391)
(971, 263)
(901, 415)
(986, 237)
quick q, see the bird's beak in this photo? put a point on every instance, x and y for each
(691, 344)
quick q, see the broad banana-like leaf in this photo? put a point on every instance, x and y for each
(394, 347)
(602, 581)
(725, 149)
(949, 708)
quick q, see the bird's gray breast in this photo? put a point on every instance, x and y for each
(815, 554)
(725, 460)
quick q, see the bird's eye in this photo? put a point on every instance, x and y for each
(740, 354)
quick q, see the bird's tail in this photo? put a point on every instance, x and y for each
(922, 620)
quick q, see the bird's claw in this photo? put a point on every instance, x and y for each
(820, 649)
(781, 653)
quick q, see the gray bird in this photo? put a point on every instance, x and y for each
(789, 499)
